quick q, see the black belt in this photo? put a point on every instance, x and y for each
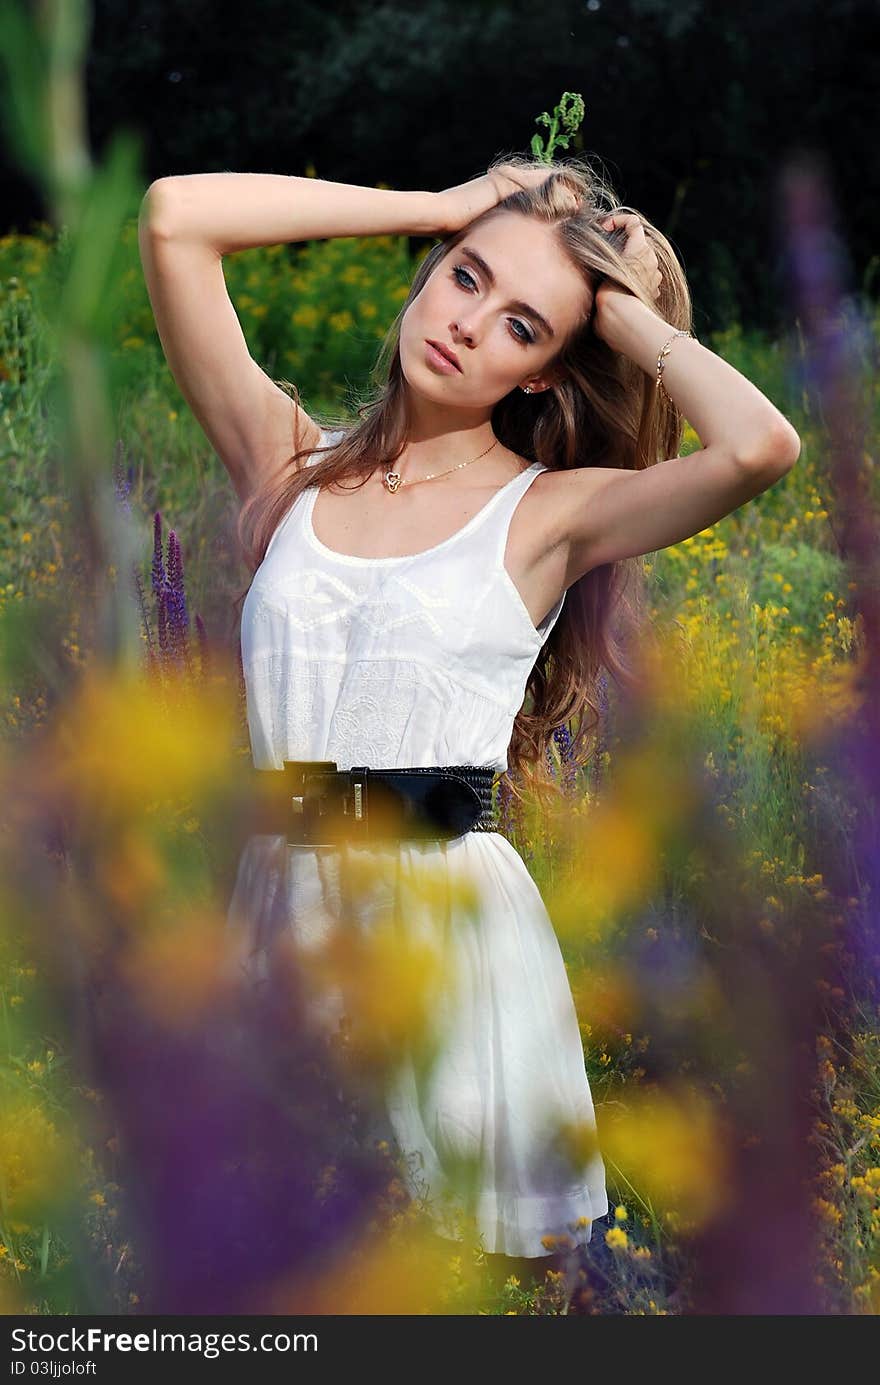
(318, 804)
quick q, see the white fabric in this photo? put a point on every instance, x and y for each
(423, 660)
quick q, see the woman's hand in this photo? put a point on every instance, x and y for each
(458, 206)
(642, 260)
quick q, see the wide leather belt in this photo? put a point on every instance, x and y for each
(318, 804)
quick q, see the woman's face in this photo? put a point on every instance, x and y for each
(505, 318)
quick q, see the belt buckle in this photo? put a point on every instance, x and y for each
(329, 809)
(301, 806)
(295, 770)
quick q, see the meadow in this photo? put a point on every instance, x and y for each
(708, 872)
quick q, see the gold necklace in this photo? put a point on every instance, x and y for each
(393, 480)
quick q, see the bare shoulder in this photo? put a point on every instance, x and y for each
(605, 514)
(559, 497)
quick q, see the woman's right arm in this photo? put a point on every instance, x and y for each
(186, 225)
(239, 211)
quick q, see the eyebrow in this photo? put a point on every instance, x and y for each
(516, 303)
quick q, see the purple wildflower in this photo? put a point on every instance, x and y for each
(177, 613)
(562, 737)
(122, 487)
(162, 622)
(551, 763)
(160, 579)
(161, 589)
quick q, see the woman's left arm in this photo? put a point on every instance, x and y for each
(727, 411)
(604, 514)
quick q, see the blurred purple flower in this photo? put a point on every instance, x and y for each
(160, 579)
(122, 481)
(569, 775)
(178, 618)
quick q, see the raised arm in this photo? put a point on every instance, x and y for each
(238, 211)
(604, 514)
(186, 225)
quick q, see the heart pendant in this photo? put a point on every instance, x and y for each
(393, 480)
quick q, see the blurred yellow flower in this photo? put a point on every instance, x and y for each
(35, 1162)
(407, 1273)
(306, 315)
(179, 968)
(668, 1144)
(117, 751)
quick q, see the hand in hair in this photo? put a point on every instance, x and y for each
(639, 255)
(458, 206)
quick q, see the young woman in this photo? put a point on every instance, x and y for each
(433, 585)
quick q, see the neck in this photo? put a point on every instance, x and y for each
(430, 453)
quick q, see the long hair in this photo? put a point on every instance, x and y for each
(605, 411)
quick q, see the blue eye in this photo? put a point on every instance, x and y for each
(526, 338)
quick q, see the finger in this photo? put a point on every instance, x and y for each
(632, 224)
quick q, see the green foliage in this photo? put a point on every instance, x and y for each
(313, 313)
(316, 314)
(796, 575)
(319, 319)
(569, 112)
(29, 268)
(330, 82)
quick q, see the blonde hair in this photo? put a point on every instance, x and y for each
(604, 411)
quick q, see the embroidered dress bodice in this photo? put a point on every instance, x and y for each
(415, 660)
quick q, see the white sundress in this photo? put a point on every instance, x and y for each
(423, 660)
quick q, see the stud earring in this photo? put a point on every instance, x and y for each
(527, 389)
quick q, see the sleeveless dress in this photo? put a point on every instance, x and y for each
(423, 660)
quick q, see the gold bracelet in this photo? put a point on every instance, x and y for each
(661, 362)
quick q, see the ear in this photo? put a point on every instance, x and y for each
(549, 379)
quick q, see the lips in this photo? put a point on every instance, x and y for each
(445, 351)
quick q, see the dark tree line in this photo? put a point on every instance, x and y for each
(692, 106)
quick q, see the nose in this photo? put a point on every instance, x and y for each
(462, 332)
